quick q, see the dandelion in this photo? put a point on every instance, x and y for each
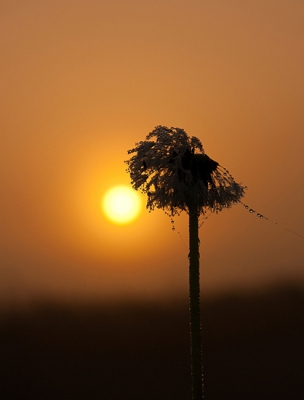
(174, 172)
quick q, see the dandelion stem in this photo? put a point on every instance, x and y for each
(195, 307)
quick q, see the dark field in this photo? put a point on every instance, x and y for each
(253, 349)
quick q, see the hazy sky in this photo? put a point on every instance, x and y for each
(83, 80)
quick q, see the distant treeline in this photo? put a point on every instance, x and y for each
(253, 349)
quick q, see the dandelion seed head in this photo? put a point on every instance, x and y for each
(173, 170)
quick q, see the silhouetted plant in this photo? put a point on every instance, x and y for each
(173, 170)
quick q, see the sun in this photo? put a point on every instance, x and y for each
(121, 205)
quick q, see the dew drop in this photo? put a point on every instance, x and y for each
(246, 207)
(251, 210)
(235, 202)
(261, 216)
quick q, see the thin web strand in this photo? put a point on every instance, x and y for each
(261, 216)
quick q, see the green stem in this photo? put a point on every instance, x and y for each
(195, 307)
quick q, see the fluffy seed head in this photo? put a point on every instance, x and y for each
(176, 174)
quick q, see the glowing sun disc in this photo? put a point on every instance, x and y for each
(121, 204)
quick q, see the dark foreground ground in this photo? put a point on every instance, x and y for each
(253, 349)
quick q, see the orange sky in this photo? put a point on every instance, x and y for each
(82, 81)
